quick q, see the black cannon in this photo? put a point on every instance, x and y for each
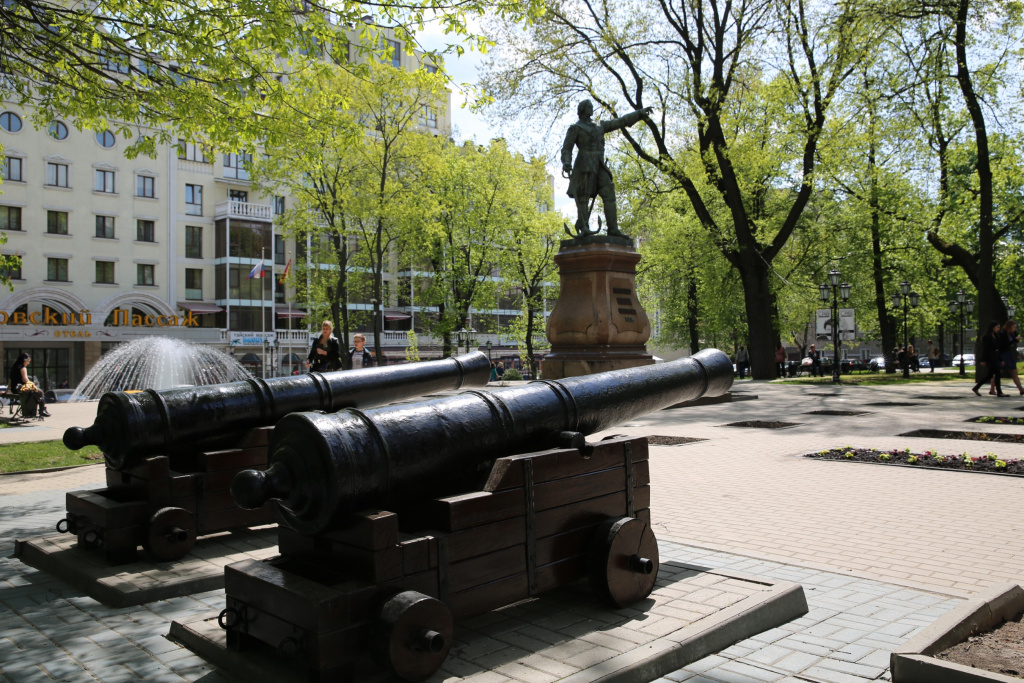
(401, 520)
(133, 426)
(323, 467)
(171, 455)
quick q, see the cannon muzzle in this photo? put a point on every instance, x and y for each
(133, 426)
(324, 467)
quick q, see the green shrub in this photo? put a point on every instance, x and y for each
(512, 375)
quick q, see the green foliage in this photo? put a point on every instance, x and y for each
(40, 455)
(412, 351)
(512, 375)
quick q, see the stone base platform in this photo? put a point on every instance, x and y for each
(144, 581)
(566, 635)
(727, 397)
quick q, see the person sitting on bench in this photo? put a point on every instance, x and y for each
(19, 377)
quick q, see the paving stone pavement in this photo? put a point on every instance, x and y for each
(881, 551)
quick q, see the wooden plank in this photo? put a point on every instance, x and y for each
(562, 491)
(260, 436)
(233, 518)
(565, 462)
(486, 568)
(221, 479)
(486, 538)
(106, 512)
(416, 553)
(489, 596)
(298, 599)
(214, 501)
(369, 529)
(587, 512)
(369, 565)
(235, 458)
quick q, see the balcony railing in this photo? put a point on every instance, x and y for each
(236, 209)
(187, 166)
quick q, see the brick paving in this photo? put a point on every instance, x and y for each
(881, 551)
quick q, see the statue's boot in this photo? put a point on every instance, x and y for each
(611, 215)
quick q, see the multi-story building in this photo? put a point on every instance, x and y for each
(114, 249)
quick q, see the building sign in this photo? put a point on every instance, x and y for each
(121, 318)
(252, 338)
(847, 323)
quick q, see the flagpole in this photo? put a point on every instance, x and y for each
(263, 310)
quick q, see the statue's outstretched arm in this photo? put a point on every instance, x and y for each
(626, 121)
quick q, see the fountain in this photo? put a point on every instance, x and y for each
(158, 363)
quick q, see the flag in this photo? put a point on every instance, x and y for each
(287, 269)
(257, 271)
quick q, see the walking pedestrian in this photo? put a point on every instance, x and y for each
(1008, 352)
(933, 355)
(742, 362)
(815, 357)
(989, 361)
(780, 360)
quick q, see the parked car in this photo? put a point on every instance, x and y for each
(877, 363)
(924, 362)
(968, 359)
(59, 395)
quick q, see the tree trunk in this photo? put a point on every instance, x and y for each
(758, 304)
(692, 310)
(886, 323)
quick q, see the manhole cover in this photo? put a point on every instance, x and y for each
(657, 440)
(992, 437)
(839, 412)
(761, 424)
(892, 404)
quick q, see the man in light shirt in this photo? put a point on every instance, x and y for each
(358, 354)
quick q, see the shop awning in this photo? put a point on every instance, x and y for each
(200, 307)
(289, 312)
(396, 316)
(292, 358)
(250, 359)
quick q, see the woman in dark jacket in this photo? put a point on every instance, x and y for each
(990, 359)
(18, 376)
(1008, 352)
(325, 354)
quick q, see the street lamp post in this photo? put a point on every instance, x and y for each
(837, 290)
(489, 345)
(911, 298)
(466, 336)
(1010, 310)
(961, 307)
(275, 352)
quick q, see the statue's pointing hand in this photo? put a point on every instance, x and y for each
(647, 111)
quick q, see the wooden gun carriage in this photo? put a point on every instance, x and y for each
(390, 581)
(171, 455)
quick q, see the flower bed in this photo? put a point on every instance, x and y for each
(996, 420)
(988, 462)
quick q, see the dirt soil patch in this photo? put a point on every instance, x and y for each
(928, 459)
(1000, 650)
(839, 412)
(762, 424)
(656, 440)
(892, 404)
(992, 437)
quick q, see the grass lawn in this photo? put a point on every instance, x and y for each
(876, 378)
(40, 455)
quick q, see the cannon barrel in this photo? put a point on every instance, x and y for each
(324, 467)
(137, 425)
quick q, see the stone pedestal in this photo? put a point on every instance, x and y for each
(597, 323)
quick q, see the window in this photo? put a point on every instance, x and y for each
(10, 122)
(235, 165)
(12, 272)
(106, 139)
(194, 200)
(238, 195)
(145, 231)
(57, 222)
(145, 186)
(11, 170)
(193, 284)
(56, 175)
(105, 272)
(57, 269)
(278, 205)
(105, 227)
(144, 274)
(393, 53)
(431, 69)
(57, 130)
(116, 63)
(279, 250)
(193, 241)
(104, 181)
(190, 151)
(428, 117)
(10, 218)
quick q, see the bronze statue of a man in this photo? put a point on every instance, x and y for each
(590, 176)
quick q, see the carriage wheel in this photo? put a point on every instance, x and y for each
(170, 534)
(415, 634)
(624, 561)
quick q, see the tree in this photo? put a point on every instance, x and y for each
(740, 140)
(197, 68)
(312, 158)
